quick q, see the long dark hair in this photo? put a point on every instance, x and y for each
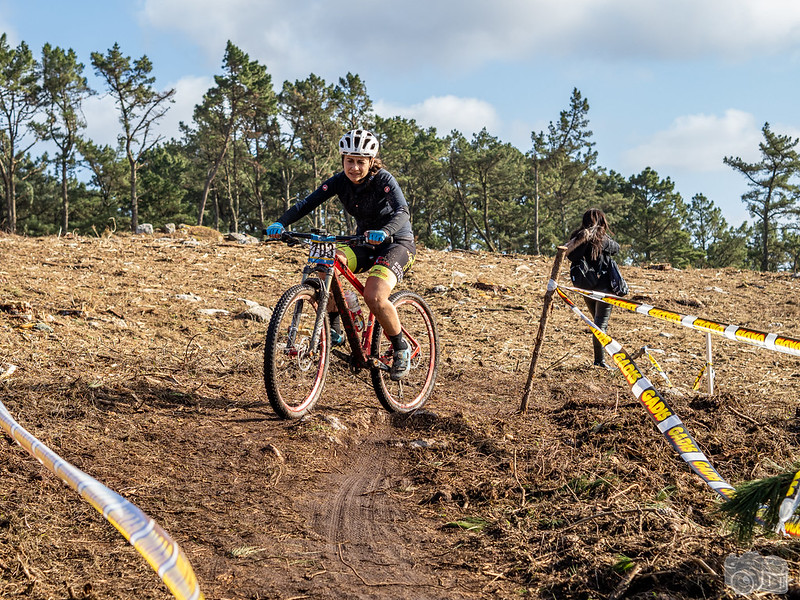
(377, 165)
(593, 230)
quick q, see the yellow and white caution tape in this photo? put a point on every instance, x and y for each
(646, 351)
(144, 534)
(786, 524)
(670, 425)
(665, 419)
(673, 429)
(762, 339)
(661, 371)
(696, 384)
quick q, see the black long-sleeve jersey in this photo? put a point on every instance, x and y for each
(377, 203)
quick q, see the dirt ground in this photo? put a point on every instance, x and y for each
(127, 369)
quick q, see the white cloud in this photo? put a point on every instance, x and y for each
(188, 93)
(294, 39)
(445, 113)
(698, 143)
(102, 120)
(691, 153)
(280, 35)
(682, 29)
(102, 117)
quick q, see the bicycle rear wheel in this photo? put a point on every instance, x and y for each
(419, 328)
(294, 373)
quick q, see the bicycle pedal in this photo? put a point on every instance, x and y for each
(379, 364)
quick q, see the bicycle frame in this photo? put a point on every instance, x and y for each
(324, 260)
(297, 347)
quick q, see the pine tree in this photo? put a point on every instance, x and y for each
(64, 90)
(20, 96)
(654, 219)
(772, 195)
(140, 108)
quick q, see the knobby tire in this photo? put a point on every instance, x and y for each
(293, 375)
(411, 392)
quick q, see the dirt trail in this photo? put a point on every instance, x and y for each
(367, 537)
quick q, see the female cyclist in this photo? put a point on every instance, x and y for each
(372, 196)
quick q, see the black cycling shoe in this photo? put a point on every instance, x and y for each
(401, 364)
(337, 339)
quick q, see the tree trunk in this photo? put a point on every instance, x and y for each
(479, 230)
(64, 197)
(11, 205)
(487, 230)
(216, 210)
(233, 226)
(765, 242)
(234, 193)
(207, 186)
(210, 178)
(286, 180)
(536, 249)
(134, 198)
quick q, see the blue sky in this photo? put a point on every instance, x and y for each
(674, 85)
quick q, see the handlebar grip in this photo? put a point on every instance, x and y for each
(362, 239)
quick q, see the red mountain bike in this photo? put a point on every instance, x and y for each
(298, 346)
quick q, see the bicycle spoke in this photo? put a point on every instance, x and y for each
(294, 373)
(419, 329)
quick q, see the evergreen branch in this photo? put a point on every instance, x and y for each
(755, 501)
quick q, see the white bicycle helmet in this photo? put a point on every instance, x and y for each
(359, 142)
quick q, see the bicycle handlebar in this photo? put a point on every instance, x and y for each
(295, 236)
(322, 236)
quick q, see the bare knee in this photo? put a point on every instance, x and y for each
(376, 294)
(374, 298)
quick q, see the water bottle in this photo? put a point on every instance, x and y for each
(354, 307)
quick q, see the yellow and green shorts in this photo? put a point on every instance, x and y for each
(395, 257)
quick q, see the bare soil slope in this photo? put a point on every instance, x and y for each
(128, 369)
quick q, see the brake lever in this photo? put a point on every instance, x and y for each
(289, 240)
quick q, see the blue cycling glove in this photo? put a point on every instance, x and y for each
(375, 236)
(274, 231)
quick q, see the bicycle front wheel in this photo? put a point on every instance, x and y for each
(419, 329)
(294, 373)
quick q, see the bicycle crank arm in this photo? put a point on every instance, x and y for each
(345, 356)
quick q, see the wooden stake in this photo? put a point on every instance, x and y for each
(548, 301)
(709, 365)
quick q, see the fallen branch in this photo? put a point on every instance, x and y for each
(623, 586)
(537, 347)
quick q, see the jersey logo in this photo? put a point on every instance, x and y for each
(386, 189)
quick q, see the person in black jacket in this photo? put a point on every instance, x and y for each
(373, 197)
(592, 247)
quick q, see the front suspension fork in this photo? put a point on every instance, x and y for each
(323, 292)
